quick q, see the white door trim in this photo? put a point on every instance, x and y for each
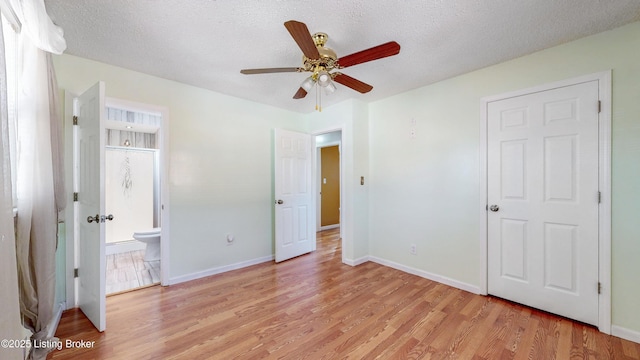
(163, 145)
(604, 184)
(315, 176)
(70, 211)
(318, 181)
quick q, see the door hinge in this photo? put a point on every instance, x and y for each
(75, 272)
(599, 197)
(75, 120)
(599, 287)
(75, 196)
(599, 106)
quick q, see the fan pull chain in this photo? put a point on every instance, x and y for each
(318, 105)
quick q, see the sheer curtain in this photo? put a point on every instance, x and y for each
(10, 325)
(38, 163)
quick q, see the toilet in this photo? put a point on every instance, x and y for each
(152, 239)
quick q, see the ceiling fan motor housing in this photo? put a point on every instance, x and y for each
(328, 58)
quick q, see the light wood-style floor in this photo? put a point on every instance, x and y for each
(127, 271)
(315, 307)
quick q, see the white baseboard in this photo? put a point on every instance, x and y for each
(427, 275)
(219, 270)
(625, 333)
(124, 246)
(356, 262)
(55, 320)
(352, 262)
(328, 227)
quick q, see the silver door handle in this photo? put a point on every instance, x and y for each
(494, 208)
(279, 202)
(105, 218)
(91, 219)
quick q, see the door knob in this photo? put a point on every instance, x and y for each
(279, 202)
(494, 208)
(105, 218)
(91, 219)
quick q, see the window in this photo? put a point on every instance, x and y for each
(10, 51)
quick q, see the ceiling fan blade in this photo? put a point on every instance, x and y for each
(355, 84)
(300, 94)
(270, 70)
(301, 35)
(377, 52)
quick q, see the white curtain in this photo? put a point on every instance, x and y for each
(39, 166)
(30, 17)
(10, 326)
(57, 131)
(37, 215)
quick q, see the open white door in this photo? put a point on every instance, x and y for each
(89, 109)
(294, 207)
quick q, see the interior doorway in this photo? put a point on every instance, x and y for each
(328, 180)
(85, 267)
(132, 194)
(329, 169)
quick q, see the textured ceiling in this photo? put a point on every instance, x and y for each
(206, 43)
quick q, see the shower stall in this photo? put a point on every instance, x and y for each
(132, 181)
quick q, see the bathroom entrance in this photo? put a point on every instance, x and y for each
(132, 195)
(94, 126)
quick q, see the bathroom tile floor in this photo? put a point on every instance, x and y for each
(127, 271)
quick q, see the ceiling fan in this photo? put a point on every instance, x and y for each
(321, 60)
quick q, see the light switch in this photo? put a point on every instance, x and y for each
(324, 180)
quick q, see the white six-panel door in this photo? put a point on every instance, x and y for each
(542, 169)
(294, 206)
(91, 203)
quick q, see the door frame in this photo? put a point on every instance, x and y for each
(318, 180)
(315, 175)
(71, 219)
(163, 147)
(604, 185)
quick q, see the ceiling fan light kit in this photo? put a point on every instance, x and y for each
(330, 88)
(321, 60)
(308, 83)
(324, 78)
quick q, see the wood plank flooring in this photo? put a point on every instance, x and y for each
(127, 271)
(315, 307)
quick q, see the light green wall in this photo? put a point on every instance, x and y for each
(423, 190)
(426, 190)
(219, 162)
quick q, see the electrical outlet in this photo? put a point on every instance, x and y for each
(412, 249)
